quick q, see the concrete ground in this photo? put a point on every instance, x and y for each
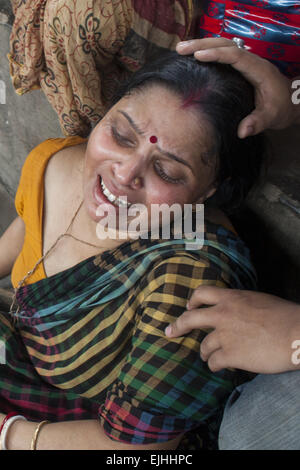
(270, 223)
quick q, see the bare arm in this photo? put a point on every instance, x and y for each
(11, 244)
(71, 435)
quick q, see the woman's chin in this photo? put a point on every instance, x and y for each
(99, 214)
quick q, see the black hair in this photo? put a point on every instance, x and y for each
(224, 97)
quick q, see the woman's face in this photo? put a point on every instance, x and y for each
(148, 149)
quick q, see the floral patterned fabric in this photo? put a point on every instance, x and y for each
(78, 51)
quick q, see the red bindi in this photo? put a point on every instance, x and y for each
(153, 139)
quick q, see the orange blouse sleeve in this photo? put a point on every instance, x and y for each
(29, 203)
(19, 202)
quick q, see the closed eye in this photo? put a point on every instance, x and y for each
(125, 142)
(165, 176)
(119, 138)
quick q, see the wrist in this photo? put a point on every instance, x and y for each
(20, 434)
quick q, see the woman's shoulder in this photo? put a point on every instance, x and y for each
(65, 162)
(63, 182)
(219, 256)
(47, 151)
(31, 182)
(217, 217)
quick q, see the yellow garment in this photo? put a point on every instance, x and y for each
(29, 204)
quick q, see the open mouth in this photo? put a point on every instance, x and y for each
(118, 201)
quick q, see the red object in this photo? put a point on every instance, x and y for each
(153, 139)
(7, 417)
(269, 28)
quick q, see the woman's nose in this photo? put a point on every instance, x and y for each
(128, 173)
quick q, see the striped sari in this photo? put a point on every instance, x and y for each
(89, 343)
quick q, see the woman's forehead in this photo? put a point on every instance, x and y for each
(159, 114)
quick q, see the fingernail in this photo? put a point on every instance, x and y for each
(168, 330)
(188, 305)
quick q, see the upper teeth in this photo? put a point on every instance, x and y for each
(118, 201)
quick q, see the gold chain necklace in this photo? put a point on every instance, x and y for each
(20, 284)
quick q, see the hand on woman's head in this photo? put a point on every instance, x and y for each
(274, 108)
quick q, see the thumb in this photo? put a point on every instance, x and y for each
(253, 124)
